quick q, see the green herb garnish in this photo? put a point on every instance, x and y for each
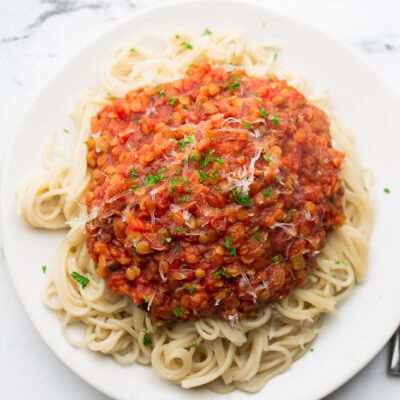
(208, 158)
(203, 175)
(183, 199)
(206, 32)
(234, 85)
(267, 158)
(341, 262)
(174, 181)
(263, 112)
(82, 280)
(168, 239)
(386, 190)
(267, 192)
(44, 269)
(257, 236)
(275, 259)
(187, 45)
(177, 311)
(182, 143)
(241, 198)
(190, 289)
(146, 338)
(66, 130)
(228, 245)
(151, 180)
(172, 101)
(275, 121)
(146, 299)
(181, 229)
(247, 125)
(133, 173)
(161, 93)
(223, 271)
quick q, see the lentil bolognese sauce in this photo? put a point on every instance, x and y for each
(212, 224)
(211, 195)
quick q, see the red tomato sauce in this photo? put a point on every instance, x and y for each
(211, 195)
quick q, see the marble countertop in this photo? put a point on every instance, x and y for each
(36, 37)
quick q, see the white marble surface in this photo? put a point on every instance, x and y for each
(36, 37)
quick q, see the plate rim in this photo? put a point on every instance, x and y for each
(58, 72)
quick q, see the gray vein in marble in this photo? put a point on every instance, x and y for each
(383, 44)
(62, 7)
(17, 82)
(13, 38)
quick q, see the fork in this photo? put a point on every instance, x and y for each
(394, 360)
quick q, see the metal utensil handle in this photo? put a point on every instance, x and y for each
(394, 360)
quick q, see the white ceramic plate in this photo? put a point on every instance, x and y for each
(362, 324)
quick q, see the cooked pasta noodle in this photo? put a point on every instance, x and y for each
(223, 355)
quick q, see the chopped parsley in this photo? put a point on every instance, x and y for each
(151, 180)
(203, 175)
(168, 239)
(267, 192)
(223, 271)
(66, 130)
(161, 93)
(182, 143)
(215, 174)
(241, 198)
(177, 311)
(172, 101)
(275, 121)
(263, 112)
(190, 289)
(174, 181)
(247, 125)
(267, 158)
(146, 338)
(275, 56)
(183, 199)
(208, 158)
(206, 32)
(386, 190)
(132, 50)
(228, 245)
(257, 236)
(146, 299)
(234, 85)
(187, 45)
(194, 345)
(185, 181)
(133, 173)
(82, 280)
(44, 269)
(275, 259)
(181, 229)
(341, 262)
